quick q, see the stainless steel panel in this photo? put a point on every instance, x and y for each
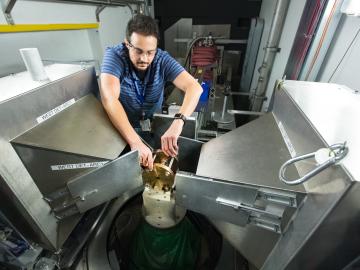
(251, 154)
(75, 129)
(107, 182)
(38, 163)
(65, 227)
(162, 122)
(252, 242)
(324, 191)
(20, 83)
(334, 111)
(337, 240)
(181, 29)
(18, 115)
(189, 153)
(236, 203)
(207, 191)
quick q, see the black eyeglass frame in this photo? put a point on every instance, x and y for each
(140, 51)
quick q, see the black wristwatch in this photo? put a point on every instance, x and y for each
(180, 116)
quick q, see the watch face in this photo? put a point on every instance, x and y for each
(180, 116)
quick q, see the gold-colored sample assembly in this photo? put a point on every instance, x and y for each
(163, 174)
(159, 207)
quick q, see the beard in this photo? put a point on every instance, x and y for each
(142, 65)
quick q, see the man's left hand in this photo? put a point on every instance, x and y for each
(169, 139)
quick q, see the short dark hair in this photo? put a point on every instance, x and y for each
(144, 25)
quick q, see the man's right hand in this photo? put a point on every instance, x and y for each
(146, 158)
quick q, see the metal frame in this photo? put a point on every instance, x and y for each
(96, 2)
(102, 4)
(7, 8)
(16, 116)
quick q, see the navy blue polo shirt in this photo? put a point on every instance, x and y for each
(140, 97)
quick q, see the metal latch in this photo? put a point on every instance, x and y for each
(268, 218)
(247, 208)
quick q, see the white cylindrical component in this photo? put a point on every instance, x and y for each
(33, 63)
(159, 208)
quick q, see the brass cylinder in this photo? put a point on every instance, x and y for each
(163, 174)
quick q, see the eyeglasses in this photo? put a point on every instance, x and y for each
(140, 52)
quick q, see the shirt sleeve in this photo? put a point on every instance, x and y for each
(112, 63)
(172, 68)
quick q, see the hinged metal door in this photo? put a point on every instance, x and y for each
(100, 185)
(237, 203)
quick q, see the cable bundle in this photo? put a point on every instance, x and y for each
(204, 57)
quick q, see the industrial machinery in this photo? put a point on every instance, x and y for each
(282, 190)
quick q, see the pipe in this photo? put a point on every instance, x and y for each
(222, 41)
(99, 9)
(131, 10)
(146, 8)
(245, 112)
(115, 3)
(102, 4)
(270, 52)
(7, 8)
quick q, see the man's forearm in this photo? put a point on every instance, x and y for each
(119, 119)
(191, 99)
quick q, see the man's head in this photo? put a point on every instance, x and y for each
(142, 34)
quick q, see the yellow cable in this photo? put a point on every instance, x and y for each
(6, 28)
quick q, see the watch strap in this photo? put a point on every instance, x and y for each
(180, 116)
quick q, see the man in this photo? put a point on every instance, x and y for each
(133, 75)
